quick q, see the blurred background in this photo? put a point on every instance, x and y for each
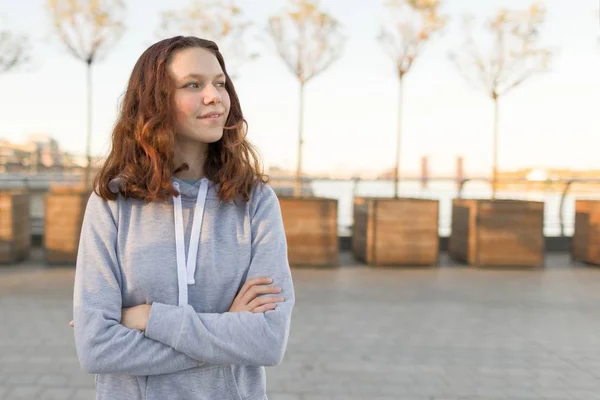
(400, 133)
(546, 123)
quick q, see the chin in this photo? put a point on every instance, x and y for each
(213, 137)
(204, 137)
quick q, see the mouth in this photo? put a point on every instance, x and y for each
(211, 115)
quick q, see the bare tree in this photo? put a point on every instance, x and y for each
(13, 50)
(308, 40)
(88, 29)
(598, 20)
(514, 55)
(222, 22)
(412, 24)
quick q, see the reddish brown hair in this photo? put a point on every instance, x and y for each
(143, 137)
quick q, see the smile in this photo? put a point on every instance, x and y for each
(212, 115)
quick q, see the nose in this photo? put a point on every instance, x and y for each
(211, 95)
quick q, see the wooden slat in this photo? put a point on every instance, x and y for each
(15, 226)
(498, 232)
(64, 211)
(395, 232)
(462, 245)
(311, 231)
(360, 228)
(585, 243)
(581, 237)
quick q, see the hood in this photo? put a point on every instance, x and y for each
(186, 263)
(188, 191)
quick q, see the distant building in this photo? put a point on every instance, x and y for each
(15, 157)
(46, 151)
(40, 153)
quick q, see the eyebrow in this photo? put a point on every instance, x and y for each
(201, 76)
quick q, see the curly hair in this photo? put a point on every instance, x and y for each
(142, 149)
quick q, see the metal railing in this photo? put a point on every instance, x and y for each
(559, 204)
(559, 208)
(568, 184)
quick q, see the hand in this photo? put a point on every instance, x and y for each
(132, 317)
(248, 298)
(136, 317)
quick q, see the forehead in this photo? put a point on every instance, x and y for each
(194, 60)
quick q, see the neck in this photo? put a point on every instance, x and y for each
(192, 153)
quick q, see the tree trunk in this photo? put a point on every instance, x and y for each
(495, 148)
(88, 151)
(398, 140)
(298, 183)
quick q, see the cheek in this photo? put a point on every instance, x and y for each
(186, 105)
(226, 102)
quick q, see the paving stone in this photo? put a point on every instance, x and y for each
(23, 393)
(448, 333)
(54, 380)
(84, 394)
(56, 394)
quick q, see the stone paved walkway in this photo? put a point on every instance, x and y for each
(445, 333)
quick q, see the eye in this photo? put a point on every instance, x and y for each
(192, 85)
(220, 84)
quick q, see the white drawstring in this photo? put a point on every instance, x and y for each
(186, 269)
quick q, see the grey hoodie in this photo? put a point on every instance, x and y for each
(131, 253)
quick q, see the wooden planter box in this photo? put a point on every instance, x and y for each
(311, 230)
(585, 244)
(15, 227)
(64, 211)
(402, 231)
(498, 233)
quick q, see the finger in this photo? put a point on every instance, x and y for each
(256, 291)
(252, 282)
(259, 301)
(72, 324)
(266, 307)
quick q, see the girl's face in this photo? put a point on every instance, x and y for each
(201, 101)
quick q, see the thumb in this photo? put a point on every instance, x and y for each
(72, 324)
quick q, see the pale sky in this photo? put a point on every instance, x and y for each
(350, 121)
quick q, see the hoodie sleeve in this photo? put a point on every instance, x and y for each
(103, 344)
(238, 338)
